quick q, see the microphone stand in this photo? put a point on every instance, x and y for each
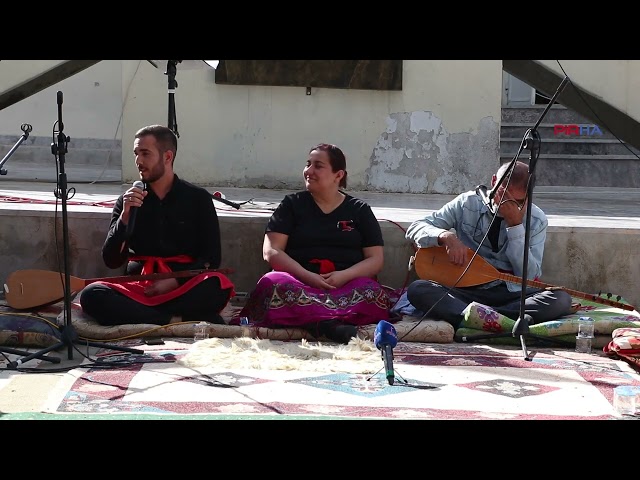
(531, 141)
(26, 129)
(172, 121)
(171, 78)
(69, 336)
(390, 372)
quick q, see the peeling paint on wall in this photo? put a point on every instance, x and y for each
(416, 154)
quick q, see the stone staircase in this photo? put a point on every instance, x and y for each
(86, 160)
(573, 150)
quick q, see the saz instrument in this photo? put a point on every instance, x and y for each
(432, 263)
(33, 288)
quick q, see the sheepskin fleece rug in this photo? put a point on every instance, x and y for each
(359, 356)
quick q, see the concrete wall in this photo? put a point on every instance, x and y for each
(440, 134)
(436, 135)
(576, 257)
(91, 116)
(587, 259)
(31, 239)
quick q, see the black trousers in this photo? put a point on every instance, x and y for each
(110, 307)
(542, 305)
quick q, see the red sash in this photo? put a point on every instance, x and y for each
(326, 266)
(135, 289)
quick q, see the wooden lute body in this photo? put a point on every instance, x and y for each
(432, 263)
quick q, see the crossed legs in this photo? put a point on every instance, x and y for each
(448, 304)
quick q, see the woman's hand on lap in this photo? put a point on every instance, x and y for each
(316, 280)
(336, 278)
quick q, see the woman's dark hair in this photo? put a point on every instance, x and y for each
(336, 158)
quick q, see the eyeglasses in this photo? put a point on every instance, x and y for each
(506, 197)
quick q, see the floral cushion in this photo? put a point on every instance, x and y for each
(625, 340)
(483, 320)
(27, 330)
(625, 344)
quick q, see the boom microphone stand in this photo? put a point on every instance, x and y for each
(531, 141)
(172, 84)
(69, 335)
(173, 123)
(26, 129)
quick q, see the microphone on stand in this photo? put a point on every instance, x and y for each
(133, 210)
(486, 197)
(385, 338)
(221, 198)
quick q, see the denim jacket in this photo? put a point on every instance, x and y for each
(470, 218)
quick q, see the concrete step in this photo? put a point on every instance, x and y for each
(38, 172)
(579, 171)
(579, 157)
(530, 115)
(86, 159)
(584, 131)
(562, 146)
(525, 155)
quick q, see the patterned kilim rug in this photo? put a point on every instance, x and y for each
(245, 378)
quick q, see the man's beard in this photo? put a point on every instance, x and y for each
(155, 173)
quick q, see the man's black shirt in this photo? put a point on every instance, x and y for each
(185, 222)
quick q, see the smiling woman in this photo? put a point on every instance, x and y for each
(325, 248)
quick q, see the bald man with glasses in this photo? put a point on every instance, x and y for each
(467, 223)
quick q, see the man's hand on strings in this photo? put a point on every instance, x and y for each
(456, 250)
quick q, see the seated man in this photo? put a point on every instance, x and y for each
(500, 241)
(170, 225)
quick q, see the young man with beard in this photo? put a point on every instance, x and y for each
(170, 225)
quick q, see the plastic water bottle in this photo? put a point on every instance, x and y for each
(244, 325)
(586, 331)
(200, 331)
(626, 400)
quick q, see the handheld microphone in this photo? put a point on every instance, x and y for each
(133, 211)
(486, 197)
(385, 338)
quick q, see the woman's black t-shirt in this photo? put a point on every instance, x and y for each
(338, 236)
